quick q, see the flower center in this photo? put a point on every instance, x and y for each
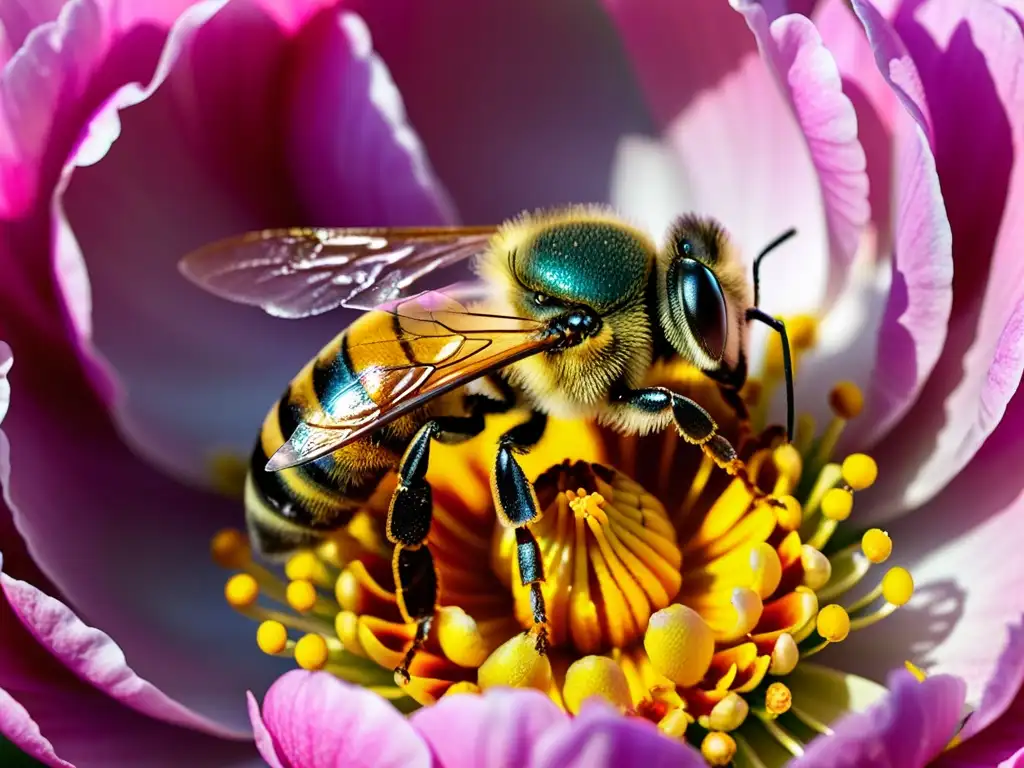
(671, 590)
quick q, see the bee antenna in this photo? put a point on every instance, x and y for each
(787, 360)
(791, 232)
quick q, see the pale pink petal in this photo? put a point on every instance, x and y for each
(18, 727)
(264, 741)
(600, 737)
(519, 103)
(808, 76)
(6, 361)
(907, 729)
(971, 59)
(19, 17)
(317, 721)
(498, 729)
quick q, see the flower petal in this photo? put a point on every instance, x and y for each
(18, 727)
(317, 721)
(908, 728)
(509, 127)
(19, 17)
(264, 741)
(499, 728)
(600, 737)
(971, 60)
(6, 360)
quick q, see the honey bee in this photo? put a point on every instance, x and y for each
(568, 312)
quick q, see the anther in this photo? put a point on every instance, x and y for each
(876, 545)
(718, 748)
(833, 623)
(230, 549)
(785, 655)
(311, 652)
(765, 569)
(241, 591)
(306, 566)
(837, 504)
(516, 664)
(898, 586)
(595, 676)
(728, 714)
(679, 644)
(460, 637)
(789, 516)
(778, 699)
(272, 637)
(859, 471)
(802, 331)
(301, 596)
(817, 568)
(846, 400)
(674, 723)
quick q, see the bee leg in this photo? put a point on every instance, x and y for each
(408, 525)
(516, 505)
(694, 424)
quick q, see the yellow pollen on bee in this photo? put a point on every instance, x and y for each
(790, 515)
(785, 655)
(230, 549)
(679, 644)
(727, 715)
(516, 663)
(778, 699)
(876, 545)
(846, 400)
(898, 586)
(241, 591)
(718, 748)
(859, 471)
(837, 504)
(301, 596)
(311, 652)
(833, 623)
(272, 637)
(595, 676)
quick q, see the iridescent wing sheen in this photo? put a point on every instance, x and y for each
(295, 273)
(437, 345)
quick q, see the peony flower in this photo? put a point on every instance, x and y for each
(887, 137)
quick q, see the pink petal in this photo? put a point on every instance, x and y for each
(19, 17)
(600, 737)
(808, 76)
(264, 741)
(907, 729)
(971, 60)
(995, 731)
(62, 720)
(560, 102)
(317, 721)
(497, 729)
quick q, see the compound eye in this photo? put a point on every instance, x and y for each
(700, 297)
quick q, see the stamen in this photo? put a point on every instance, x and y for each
(897, 588)
(789, 516)
(846, 402)
(765, 569)
(833, 623)
(778, 733)
(306, 566)
(859, 471)
(595, 676)
(837, 504)
(230, 549)
(679, 644)
(516, 664)
(718, 748)
(727, 715)
(302, 597)
(817, 568)
(876, 545)
(241, 591)
(675, 723)
(272, 638)
(777, 699)
(697, 486)
(311, 652)
(460, 637)
(785, 655)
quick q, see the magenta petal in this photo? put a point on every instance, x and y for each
(908, 728)
(600, 737)
(18, 727)
(498, 729)
(317, 721)
(353, 156)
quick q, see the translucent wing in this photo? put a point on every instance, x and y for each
(436, 345)
(296, 273)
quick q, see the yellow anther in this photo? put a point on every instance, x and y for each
(272, 637)
(595, 676)
(307, 567)
(460, 637)
(765, 569)
(311, 652)
(833, 623)
(817, 567)
(586, 504)
(898, 586)
(463, 687)
(877, 545)
(778, 699)
(728, 714)
(785, 655)
(516, 664)
(802, 331)
(837, 504)
(916, 671)
(301, 596)
(230, 549)
(787, 460)
(790, 515)
(679, 644)
(859, 471)
(346, 627)
(718, 748)
(241, 591)
(675, 723)
(846, 400)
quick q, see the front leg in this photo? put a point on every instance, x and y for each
(694, 424)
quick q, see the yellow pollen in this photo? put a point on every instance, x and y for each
(301, 596)
(802, 331)
(307, 567)
(272, 637)
(718, 748)
(898, 586)
(311, 652)
(833, 623)
(595, 676)
(241, 591)
(859, 471)
(789, 515)
(728, 714)
(679, 644)
(516, 664)
(837, 504)
(460, 637)
(817, 567)
(785, 655)
(877, 545)
(846, 400)
(585, 504)
(778, 699)
(230, 549)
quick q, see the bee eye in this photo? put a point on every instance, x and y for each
(695, 290)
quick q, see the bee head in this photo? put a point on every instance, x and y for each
(702, 293)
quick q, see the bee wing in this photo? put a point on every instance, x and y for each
(295, 273)
(444, 345)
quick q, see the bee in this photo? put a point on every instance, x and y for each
(568, 311)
